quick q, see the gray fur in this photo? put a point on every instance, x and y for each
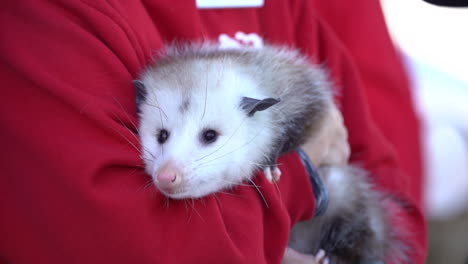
(184, 106)
(355, 228)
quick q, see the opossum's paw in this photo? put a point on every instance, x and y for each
(272, 174)
(276, 173)
(268, 175)
(321, 257)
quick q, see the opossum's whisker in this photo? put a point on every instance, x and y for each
(146, 185)
(264, 164)
(157, 105)
(238, 183)
(116, 116)
(143, 187)
(126, 139)
(260, 192)
(146, 159)
(148, 152)
(186, 207)
(127, 115)
(202, 201)
(136, 148)
(135, 136)
(187, 210)
(228, 153)
(225, 143)
(228, 193)
(161, 113)
(206, 96)
(220, 204)
(194, 209)
(137, 167)
(278, 189)
(212, 164)
(258, 165)
(159, 108)
(167, 200)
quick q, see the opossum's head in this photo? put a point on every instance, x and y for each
(200, 128)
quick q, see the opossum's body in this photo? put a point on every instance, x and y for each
(209, 118)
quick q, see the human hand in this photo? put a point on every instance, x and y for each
(293, 257)
(329, 145)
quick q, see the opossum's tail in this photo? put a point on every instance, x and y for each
(358, 225)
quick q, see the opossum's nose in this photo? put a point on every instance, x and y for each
(168, 177)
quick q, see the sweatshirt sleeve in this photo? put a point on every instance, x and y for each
(72, 185)
(369, 148)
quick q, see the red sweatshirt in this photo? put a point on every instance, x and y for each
(72, 187)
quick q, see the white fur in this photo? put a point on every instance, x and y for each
(338, 183)
(206, 168)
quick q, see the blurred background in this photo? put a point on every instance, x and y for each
(434, 44)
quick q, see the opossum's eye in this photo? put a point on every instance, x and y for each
(163, 135)
(209, 136)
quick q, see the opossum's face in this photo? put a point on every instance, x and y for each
(199, 141)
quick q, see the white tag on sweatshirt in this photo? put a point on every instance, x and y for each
(204, 4)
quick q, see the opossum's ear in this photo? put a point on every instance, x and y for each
(252, 105)
(140, 92)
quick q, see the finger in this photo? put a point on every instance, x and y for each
(293, 257)
(320, 255)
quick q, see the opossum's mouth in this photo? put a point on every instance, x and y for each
(181, 194)
(178, 194)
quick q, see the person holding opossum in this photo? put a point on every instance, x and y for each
(73, 185)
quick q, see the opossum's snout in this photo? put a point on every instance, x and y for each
(169, 179)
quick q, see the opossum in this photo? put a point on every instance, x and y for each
(211, 117)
